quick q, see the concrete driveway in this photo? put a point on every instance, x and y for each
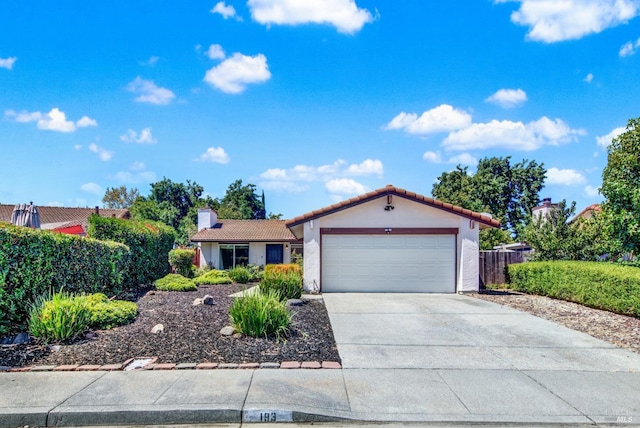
(453, 354)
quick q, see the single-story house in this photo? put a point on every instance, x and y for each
(225, 244)
(387, 240)
(69, 220)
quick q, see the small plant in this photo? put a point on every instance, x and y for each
(240, 274)
(181, 260)
(286, 285)
(106, 314)
(213, 277)
(260, 315)
(282, 268)
(256, 272)
(59, 317)
(175, 282)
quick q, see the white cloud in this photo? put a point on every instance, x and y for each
(226, 11)
(295, 179)
(345, 186)
(508, 98)
(368, 167)
(215, 52)
(591, 191)
(139, 174)
(103, 154)
(512, 135)
(462, 158)
(145, 137)
(589, 78)
(77, 146)
(433, 157)
(86, 121)
(605, 140)
(235, 73)
(564, 177)
(137, 166)
(214, 154)
(443, 118)
(629, 48)
(55, 120)
(344, 15)
(8, 62)
(91, 188)
(149, 92)
(552, 21)
(151, 62)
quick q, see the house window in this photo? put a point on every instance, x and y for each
(232, 255)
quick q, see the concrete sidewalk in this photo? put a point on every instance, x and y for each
(433, 359)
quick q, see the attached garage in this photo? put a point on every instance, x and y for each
(391, 240)
(388, 263)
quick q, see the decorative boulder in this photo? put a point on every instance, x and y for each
(198, 301)
(208, 299)
(227, 331)
(158, 328)
(294, 302)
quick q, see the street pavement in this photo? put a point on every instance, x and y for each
(407, 358)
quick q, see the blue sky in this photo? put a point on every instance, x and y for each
(314, 101)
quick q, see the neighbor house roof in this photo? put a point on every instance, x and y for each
(392, 190)
(587, 213)
(246, 231)
(57, 218)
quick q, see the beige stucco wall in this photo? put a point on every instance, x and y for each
(406, 214)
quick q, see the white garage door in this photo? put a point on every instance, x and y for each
(388, 263)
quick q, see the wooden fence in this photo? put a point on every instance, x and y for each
(492, 264)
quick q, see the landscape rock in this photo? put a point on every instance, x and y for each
(90, 336)
(22, 338)
(7, 341)
(158, 328)
(208, 299)
(198, 301)
(227, 331)
(294, 302)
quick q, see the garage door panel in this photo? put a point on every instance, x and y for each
(388, 263)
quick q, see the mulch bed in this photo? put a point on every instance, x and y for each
(620, 330)
(191, 335)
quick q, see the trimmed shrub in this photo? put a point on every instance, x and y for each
(260, 315)
(59, 317)
(106, 314)
(286, 285)
(282, 268)
(240, 274)
(256, 272)
(175, 282)
(213, 277)
(181, 260)
(33, 262)
(611, 287)
(149, 242)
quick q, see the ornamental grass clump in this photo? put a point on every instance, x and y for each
(287, 285)
(213, 277)
(106, 314)
(240, 274)
(175, 282)
(59, 317)
(260, 315)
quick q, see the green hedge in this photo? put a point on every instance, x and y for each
(181, 260)
(36, 262)
(599, 285)
(150, 243)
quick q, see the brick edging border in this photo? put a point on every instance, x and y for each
(152, 365)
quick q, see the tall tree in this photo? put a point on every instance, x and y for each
(621, 187)
(119, 197)
(241, 202)
(507, 191)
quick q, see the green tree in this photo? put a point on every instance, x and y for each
(119, 197)
(507, 191)
(241, 202)
(551, 235)
(621, 188)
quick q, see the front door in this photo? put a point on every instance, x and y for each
(275, 254)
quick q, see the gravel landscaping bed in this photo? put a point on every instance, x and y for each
(620, 330)
(191, 335)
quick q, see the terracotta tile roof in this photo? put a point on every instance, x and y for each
(246, 231)
(54, 217)
(392, 190)
(587, 213)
